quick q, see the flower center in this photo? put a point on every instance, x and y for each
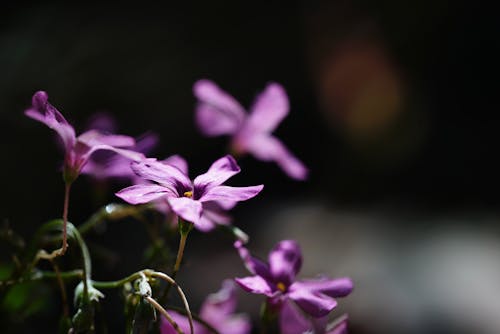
(188, 194)
(281, 286)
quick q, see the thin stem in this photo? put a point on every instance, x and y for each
(184, 229)
(67, 189)
(62, 287)
(118, 283)
(170, 280)
(180, 254)
(164, 312)
(42, 254)
(195, 317)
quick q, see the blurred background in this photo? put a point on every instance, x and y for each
(393, 109)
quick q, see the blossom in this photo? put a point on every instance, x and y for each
(194, 201)
(218, 311)
(218, 113)
(105, 164)
(276, 280)
(77, 149)
(293, 321)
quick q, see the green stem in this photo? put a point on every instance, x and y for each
(118, 283)
(87, 264)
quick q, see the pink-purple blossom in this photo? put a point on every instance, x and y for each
(276, 280)
(196, 201)
(109, 165)
(218, 311)
(218, 113)
(79, 149)
(292, 320)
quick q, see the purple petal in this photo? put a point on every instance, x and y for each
(217, 112)
(146, 142)
(256, 284)
(93, 138)
(103, 122)
(205, 224)
(292, 321)
(219, 305)
(236, 324)
(178, 162)
(339, 287)
(143, 193)
(187, 208)
(317, 305)
(217, 174)
(253, 265)
(169, 176)
(269, 148)
(269, 109)
(215, 215)
(235, 194)
(338, 328)
(45, 113)
(285, 260)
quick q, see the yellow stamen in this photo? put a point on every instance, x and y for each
(188, 194)
(281, 286)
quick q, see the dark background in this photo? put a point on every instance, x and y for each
(393, 108)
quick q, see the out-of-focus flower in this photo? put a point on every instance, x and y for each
(109, 165)
(218, 311)
(77, 149)
(276, 280)
(293, 321)
(194, 201)
(218, 113)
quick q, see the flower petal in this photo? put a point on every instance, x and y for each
(292, 321)
(187, 208)
(256, 284)
(219, 305)
(143, 193)
(217, 174)
(226, 193)
(217, 112)
(317, 305)
(42, 111)
(236, 324)
(285, 260)
(169, 176)
(269, 148)
(253, 264)
(339, 287)
(269, 109)
(178, 162)
(93, 138)
(339, 327)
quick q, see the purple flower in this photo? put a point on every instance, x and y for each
(218, 113)
(218, 311)
(293, 321)
(77, 149)
(105, 164)
(195, 201)
(276, 280)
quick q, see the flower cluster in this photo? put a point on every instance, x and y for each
(295, 305)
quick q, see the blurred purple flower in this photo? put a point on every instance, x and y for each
(218, 311)
(194, 201)
(105, 164)
(218, 113)
(293, 321)
(77, 149)
(276, 280)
